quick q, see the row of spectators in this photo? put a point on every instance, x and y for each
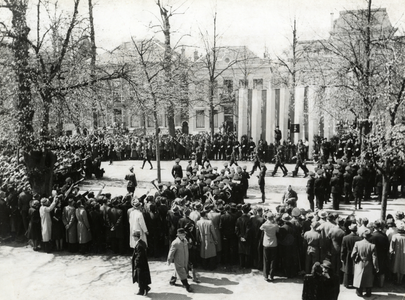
(286, 242)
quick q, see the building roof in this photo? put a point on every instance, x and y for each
(352, 20)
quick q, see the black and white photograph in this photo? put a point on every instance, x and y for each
(202, 149)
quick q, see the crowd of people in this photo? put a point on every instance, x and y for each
(203, 215)
(207, 206)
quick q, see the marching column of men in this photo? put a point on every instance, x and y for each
(344, 183)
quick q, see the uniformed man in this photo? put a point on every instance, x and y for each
(177, 170)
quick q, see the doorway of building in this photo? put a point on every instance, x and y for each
(184, 127)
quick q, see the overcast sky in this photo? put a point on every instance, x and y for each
(253, 23)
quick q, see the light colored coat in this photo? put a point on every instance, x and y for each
(69, 218)
(207, 237)
(178, 254)
(215, 217)
(365, 258)
(137, 222)
(83, 226)
(46, 221)
(397, 248)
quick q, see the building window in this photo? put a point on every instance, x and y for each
(243, 83)
(228, 86)
(149, 122)
(215, 119)
(258, 84)
(135, 121)
(117, 116)
(200, 119)
(162, 120)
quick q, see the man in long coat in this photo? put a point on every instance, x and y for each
(346, 255)
(70, 222)
(178, 254)
(140, 266)
(207, 237)
(243, 232)
(382, 246)
(364, 256)
(358, 188)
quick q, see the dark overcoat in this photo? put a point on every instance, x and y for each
(140, 266)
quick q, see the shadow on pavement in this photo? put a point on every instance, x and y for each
(167, 296)
(218, 281)
(201, 289)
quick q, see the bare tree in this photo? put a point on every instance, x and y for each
(209, 63)
(44, 71)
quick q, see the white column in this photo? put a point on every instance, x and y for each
(256, 114)
(242, 112)
(313, 120)
(284, 103)
(270, 113)
(299, 112)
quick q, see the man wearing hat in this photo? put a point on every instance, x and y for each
(208, 240)
(382, 245)
(261, 180)
(332, 282)
(270, 230)
(140, 266)
(243, 232)
(365, 258)
(336, 189)
(132, 183)
(289, 249)
(319, 189)
(177, 171)
(245, 181)
(227, 224)
(178, 254)
(358, 188)
(310, 190)
(312, 246)
(347, 185)
(300, 160)
(290, 197)
(346, 252)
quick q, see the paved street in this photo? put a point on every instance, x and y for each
(25, 274)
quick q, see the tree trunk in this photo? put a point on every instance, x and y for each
(211, 112)
(40, 171)
(384, 199)
(93, 63)
(170, 120)
(21, 57)
(157, 131)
